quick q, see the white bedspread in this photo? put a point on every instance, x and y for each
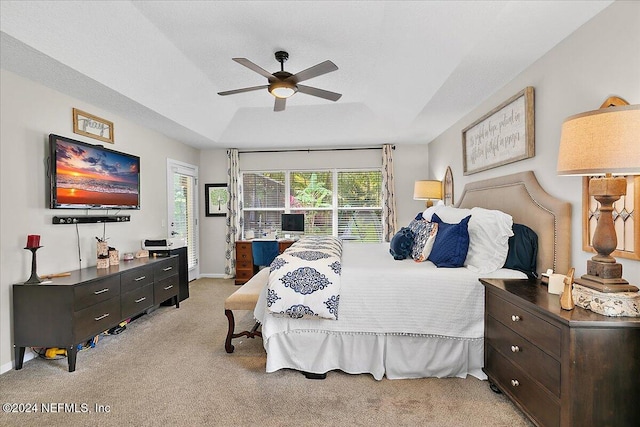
(383, 296)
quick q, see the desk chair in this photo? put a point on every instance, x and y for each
(264, 252)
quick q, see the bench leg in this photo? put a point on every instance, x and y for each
(232, 324)
(230, 335)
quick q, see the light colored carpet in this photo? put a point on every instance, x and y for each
(170, 368)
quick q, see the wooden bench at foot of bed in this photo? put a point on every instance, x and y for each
(244, 298)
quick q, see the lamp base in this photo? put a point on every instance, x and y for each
(605, 277)
(605, 285)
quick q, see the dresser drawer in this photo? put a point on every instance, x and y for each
(165, 289)
(519, 351)
(166, 268)
(243, 251)
(91, 293)
(96, 319)
(518, 385)
(130, 280)
(136, 301)
(244, 264)
(532, 328)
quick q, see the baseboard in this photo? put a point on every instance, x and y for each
(214, 276)
(28, 355)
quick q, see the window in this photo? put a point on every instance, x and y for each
(353, 211)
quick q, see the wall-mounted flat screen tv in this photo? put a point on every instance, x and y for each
(86, 176)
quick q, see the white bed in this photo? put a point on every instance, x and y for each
(403, 319)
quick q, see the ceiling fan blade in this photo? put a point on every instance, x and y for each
(320, 93)
(246, 89)
(250, 65)
(280, 104)
(315, 71)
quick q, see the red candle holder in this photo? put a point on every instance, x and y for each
(33, 241)
(33, 279)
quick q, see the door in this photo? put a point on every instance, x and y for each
(182, 209)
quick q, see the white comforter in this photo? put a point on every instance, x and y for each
(383, 296)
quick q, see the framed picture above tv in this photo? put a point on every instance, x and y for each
(86, 176)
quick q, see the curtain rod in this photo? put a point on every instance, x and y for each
(308, 150)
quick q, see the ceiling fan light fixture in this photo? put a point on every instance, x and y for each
(282, 89)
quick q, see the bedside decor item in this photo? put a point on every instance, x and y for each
(603, 142)
(92, 126)
(614, 304)
(427, 190)
(566, 299)
(33, 245)
(556, 283)
(216, 199)
(503, 135)
(114, 256)
(447, 183)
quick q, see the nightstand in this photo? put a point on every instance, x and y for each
(561, 368)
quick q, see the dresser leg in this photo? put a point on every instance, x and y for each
(72, 352)
(494, 388)
(19, 352)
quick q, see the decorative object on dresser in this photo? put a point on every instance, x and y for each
(72, 309)
(33, 244)
(556, 365)
(566, 299)
(503, 135)
(428, 190)
(603, 142)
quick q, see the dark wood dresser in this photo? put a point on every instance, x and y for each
(561, 368)
(71, 310)
(244, 259)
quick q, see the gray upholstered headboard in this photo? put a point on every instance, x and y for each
(521, 196)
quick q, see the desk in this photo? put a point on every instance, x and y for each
(244, 259)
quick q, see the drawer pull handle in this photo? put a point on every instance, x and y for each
(167, 268)
(140, 299)
(515, 348)
(101, 291)
(168, 287)
(515, 383)
(141, 278)
(101, 317)
(515, 318)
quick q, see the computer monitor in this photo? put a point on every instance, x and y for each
(292, 223)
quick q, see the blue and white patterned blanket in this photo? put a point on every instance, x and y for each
(304, 281)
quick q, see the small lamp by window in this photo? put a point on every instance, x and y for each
(428, 190)
(603, 142)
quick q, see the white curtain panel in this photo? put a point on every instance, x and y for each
(234, 206)
(388, 194)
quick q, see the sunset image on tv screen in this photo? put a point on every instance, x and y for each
(95, 177)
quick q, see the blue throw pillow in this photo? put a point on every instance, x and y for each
(452, 243)
(401, 244)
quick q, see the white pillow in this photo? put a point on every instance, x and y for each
(489, 232)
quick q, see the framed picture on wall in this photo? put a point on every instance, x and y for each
(503, 135)
(216, 197)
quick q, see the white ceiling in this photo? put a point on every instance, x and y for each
(407, 70)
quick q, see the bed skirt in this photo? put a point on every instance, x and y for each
(396, 356)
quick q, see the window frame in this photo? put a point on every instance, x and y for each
(335, 208)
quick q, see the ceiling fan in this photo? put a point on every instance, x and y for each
(283, 84)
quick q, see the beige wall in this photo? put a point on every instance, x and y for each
(600, 59)
(29, 112)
